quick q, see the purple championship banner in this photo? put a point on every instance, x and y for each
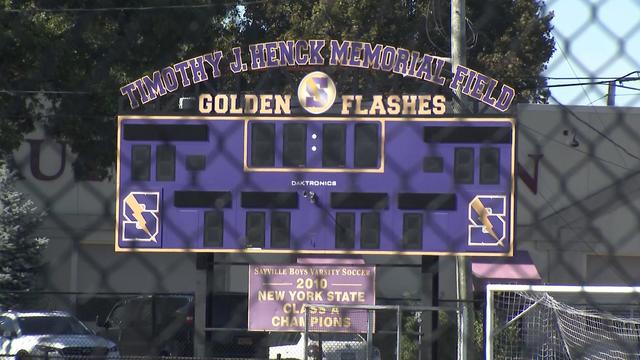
(278, 293)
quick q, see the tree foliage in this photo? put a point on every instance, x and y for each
(20, 251)
(92, 49)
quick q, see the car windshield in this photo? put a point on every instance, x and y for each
(284, 338)
(51, 325)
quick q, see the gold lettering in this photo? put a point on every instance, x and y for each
(250, 104)
(409, 103)
(265, 104)
(377, 106)
(204, 103)
(233, 99)
(424, 104)
(358, 107)
(347, 101)
(220, 104)
(439, 104)
(283, 104)
(393, 105)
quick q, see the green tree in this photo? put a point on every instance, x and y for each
(509, 40)
(20, 250)
(19, 65)
(90, 50)
(79, 60)
(448, 336)
(409, 345)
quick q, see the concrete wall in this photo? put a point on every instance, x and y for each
(587, 203)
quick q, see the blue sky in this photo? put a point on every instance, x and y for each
(595, 38)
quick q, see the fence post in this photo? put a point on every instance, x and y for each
(488, 331)
(306, 332)
(399, 334)
(369, 333)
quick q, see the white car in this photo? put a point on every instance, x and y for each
(50, 334)
(335, 346)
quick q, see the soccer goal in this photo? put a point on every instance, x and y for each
(562, 322)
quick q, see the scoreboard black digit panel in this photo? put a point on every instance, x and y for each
(316, 184)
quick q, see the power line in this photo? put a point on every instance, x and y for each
(627, 77)
(579, 78)
(620, 95)
(601, 82)
(627, 87)
(605, 136)
(576, 149)
(590, 83)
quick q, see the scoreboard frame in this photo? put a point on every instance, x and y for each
(507, 217)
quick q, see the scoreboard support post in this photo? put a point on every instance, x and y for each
(204, 287)
(429, 297)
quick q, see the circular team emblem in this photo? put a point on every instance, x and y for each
(316, 92)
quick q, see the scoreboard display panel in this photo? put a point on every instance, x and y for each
(316, 184)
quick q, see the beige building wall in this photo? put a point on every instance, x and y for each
(587, 203)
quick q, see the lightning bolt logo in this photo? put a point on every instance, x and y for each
(137, 210)
(483, 215)
(140, 217)
(487, 220)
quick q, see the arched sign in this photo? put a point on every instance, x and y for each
(354, 54)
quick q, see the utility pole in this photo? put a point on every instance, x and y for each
(611, 94)
(458, 44)
(463, 271)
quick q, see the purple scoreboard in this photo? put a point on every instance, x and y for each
(316, 184)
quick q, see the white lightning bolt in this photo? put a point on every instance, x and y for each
(137, 209)
(483, 214)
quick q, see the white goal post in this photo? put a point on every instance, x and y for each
(562, 322)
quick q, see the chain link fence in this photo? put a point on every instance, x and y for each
(578, 205)
(393, 332)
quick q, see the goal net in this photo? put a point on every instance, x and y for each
(562, 322)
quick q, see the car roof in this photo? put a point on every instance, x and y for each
(35, 313)
(161, 296)
(188, 298)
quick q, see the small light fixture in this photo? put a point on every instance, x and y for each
(574, 140)
(187, 103)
